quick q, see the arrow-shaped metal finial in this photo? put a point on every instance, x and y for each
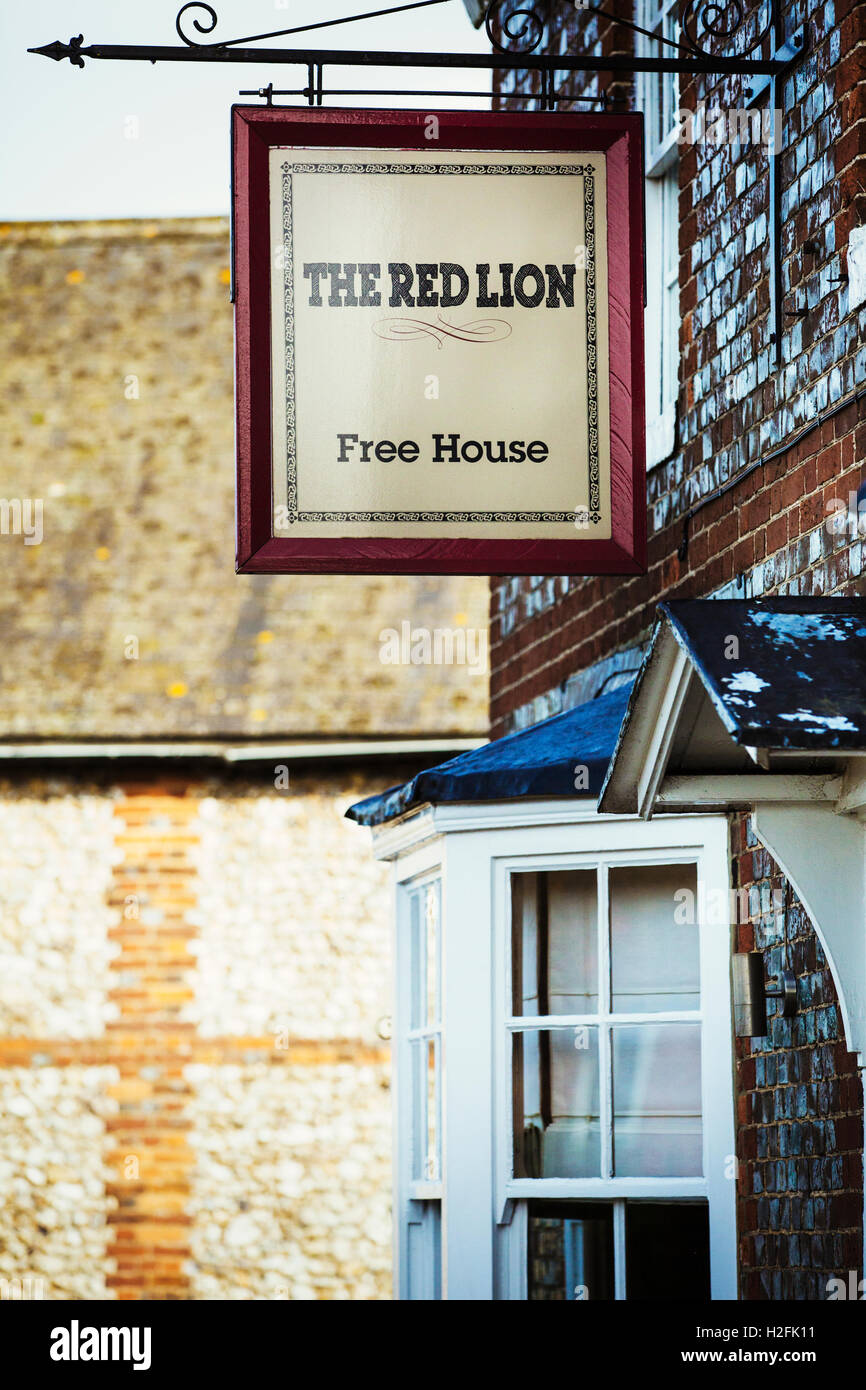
(58, 51)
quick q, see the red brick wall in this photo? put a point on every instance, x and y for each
(769, 530)
(772, 523)
(797, 437)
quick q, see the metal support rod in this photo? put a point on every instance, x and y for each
(786, 54)
(775, 190)
(269, 92)
(297, 29)
(336, 57)
(774, 233)
(524, 28)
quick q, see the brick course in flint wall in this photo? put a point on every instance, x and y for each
(797, 437)
(149, 1153)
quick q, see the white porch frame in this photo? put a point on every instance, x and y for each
(812, 823)
(474, 847)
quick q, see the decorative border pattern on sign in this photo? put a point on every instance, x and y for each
(591, 349)
(587, 171)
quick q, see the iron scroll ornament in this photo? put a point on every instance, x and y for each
(517, 30)
(207, 26)
(722, 21)
(520, 24)
(515, 26)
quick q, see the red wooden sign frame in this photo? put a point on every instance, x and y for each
(254, 131)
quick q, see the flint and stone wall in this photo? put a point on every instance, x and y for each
(194, 1097)
(193, 1093)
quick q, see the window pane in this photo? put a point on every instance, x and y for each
(425, 1108)
(431, 1162)
(658, 94)
(416, 961)
(417, 1052)
(554, 943)
(670, 288)
(570, 1252)
(657, 1100)
(654, 957)
(671, 79)
(557, 1131)
(424, 954)
(431, 938)
(667, 1250)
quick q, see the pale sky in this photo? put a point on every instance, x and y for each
(124, 139)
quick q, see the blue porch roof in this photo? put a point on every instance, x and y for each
(536, 762)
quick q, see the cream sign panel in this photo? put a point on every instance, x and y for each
(439, 343)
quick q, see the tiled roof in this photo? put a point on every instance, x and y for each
(781, 672)
(566, 756)
(128, 620)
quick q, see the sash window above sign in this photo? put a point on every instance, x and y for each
(439, 342)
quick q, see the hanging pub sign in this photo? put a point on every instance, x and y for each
(439, 327)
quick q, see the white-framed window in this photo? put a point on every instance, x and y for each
(418, 1057)
(603, 1023)
(659, 100)
(585, 1041)
(424, 1034)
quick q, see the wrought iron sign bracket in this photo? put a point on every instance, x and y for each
(515, 34)
(516, 29)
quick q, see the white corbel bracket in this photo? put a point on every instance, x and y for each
(823, 855)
